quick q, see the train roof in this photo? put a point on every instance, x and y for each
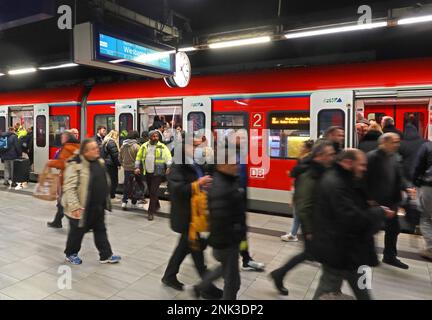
(56, 95)
(372, 74)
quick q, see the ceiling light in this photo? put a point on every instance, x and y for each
(117, 61)
(60, 66)
(1, 74)
(302, 34)
(21, 71)
(236, 43)
(187, 49)
(415, 20)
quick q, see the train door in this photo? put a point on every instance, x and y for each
(125, 117)
(40, 136)
(332, 108)
(168, 111)
(415, 114)
(197, 117)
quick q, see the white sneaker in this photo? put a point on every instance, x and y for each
(124, 205)
(19, 186)
(289, 238)
(253, 266)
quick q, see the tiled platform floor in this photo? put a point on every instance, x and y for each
(30, 255)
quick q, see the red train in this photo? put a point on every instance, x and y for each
(291, 104)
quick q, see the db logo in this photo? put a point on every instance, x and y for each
(257, 173)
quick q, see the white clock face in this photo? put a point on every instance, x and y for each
(182, 75)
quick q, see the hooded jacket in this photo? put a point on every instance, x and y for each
(410, 146)
(370, 141)
(14, 149)
(128, 153)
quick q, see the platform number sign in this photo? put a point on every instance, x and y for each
(257, 119)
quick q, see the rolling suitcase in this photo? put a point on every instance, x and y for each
(21, 170)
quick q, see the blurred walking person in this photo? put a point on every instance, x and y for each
(86, 196)
(344, 224)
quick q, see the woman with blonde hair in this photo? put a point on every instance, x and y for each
(110, 154)
(370, 140)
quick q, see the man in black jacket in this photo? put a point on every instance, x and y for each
(227, 210)
(8, 156)
(385, 183)
(344, 225)
(422, 178)
(180, 179)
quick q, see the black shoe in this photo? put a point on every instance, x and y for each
(395, 263)
(278, 283)
(173, 283)
(54, 225)
(212, 293)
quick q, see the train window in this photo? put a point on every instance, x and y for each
(196, 122)
(125, 125)
(288, 131)
(105, 120)
(41, 131)
(377, 116)
(2, 124)
(416, 119)
(57, 125)
(226, 120)
(330, 118)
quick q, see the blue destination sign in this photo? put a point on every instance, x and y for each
(123, 51)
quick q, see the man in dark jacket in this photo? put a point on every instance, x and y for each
(388, 125)
(385, 183)
(8, 156)
(336, 135)
(370, 141)
(322, 157)
(344, 225)
(180, 179)
(422, 178)
(410, 145)
(100, 135)
(227, 211)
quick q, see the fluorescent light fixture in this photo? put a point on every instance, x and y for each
(21, 71)
(302, 34)
(117, 61)
(415, 20)
(60, 66)
(236, 43)
(187, 49)
(1, 74)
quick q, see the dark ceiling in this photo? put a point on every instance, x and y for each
(41, 42)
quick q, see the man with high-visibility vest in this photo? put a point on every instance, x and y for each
(153, 160)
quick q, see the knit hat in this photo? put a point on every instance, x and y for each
(152, 132)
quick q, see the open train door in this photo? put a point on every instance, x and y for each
(41, 136)
(197, 117)
(333, 108)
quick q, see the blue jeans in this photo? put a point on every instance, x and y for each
(296, 224)
(127, 174)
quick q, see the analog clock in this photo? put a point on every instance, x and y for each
(182, 74)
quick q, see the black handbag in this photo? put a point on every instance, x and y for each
(137, 188)
(412, 212)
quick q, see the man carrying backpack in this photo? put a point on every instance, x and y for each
(10, 150)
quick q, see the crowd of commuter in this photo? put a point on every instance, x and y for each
(342, 198)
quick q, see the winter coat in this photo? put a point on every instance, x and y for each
(378, 187)
(180, 180)
(76, 187)
(128, 154)
(422, 165)
(110, 154)
(392, 128)
(370, 141)
(14, 149)
(305, 194)
(344, 224)
(410, 146)
(227, 211)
